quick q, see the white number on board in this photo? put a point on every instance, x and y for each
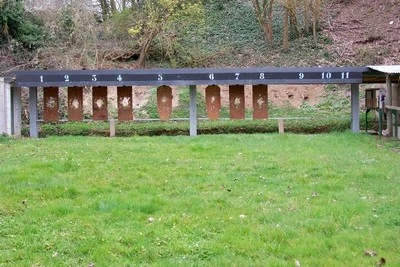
(237, 76)
(301, 75)
(211, 76)
(119, 78)
(94, 78)
(262, 76)
(326, 75)
(160, 77)
(66, 78)
(345, 75)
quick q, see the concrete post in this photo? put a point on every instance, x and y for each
(3, 106)
(193, 110)
(355, 108)
(16, 111)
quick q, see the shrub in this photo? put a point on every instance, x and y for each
(19, 27)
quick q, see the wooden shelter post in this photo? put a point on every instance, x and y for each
(389, 120)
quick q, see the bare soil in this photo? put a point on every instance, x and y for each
(364, 31)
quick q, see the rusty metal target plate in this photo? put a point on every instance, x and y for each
(125, 110)
(213, 101)
(50, 100)
(236, 102)
(99, 103)
(164, 102)
(260, 102)
(75, 103)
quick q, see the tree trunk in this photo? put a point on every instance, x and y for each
(293, 19)
(264, 13)
(316, 14)
(306, 20)
(270, 19)
(286, 28)
(113, 6)
(105, 8)
(145, 48)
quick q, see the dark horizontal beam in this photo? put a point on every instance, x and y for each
(201, 76)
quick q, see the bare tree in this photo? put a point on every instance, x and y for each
(264, 12)
(314, 7)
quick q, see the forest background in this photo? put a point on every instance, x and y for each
(104, 34)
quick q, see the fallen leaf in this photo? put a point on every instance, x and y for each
(370, 253)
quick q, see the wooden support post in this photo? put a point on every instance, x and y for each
(281, 125)
(112, 127)
(193, 110)
(389, 119)
(355, 108)
(396, 103)
(396, 123)
(33, 113)
(16, 111)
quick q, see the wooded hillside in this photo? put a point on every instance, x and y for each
(101, 34)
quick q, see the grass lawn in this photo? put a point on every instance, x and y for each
(216, 200)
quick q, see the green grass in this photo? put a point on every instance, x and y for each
(221, 200)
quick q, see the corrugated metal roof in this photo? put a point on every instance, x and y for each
(392, 69)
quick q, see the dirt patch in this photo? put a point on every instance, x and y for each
(364, 31)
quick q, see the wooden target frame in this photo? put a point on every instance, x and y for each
(213, 101)
(50, 104)
(124, 97)
(237, 102)
(99, 103)
(260, 102)
(75, 103)
(164, 102)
